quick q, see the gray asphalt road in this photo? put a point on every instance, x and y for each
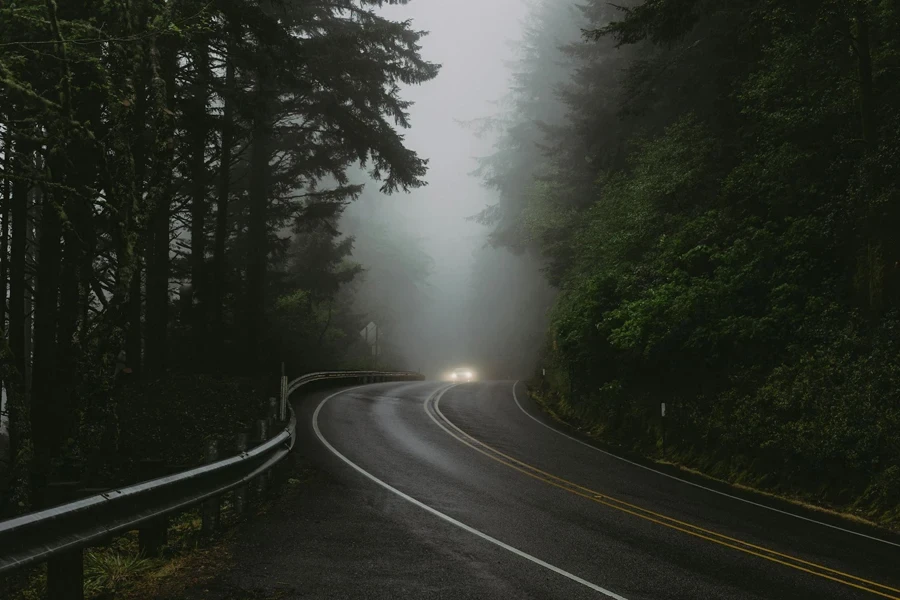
(439, 491)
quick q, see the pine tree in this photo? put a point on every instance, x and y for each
(166, 144)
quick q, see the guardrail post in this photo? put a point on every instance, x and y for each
(65, 572)
(212, 507)
(240, 493)
(152, 536)
(282, 407)
(262, 434)
(270, 430)
(272, 415)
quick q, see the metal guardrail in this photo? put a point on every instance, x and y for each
(361, 376)
(65, 530)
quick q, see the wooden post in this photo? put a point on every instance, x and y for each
(153, 535)
(282, 401)
(270, 430)
(65, 572)
(262, 434)
(212, 507)
(662, 425)
(240, 493)
(272, 415)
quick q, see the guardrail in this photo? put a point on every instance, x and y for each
(59, 535)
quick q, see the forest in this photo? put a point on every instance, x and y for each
(172, 182)
(710, 188)
(694, 207)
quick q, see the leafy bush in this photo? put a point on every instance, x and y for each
(737, 323)
(832, 416)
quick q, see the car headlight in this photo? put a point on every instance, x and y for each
(453, 375)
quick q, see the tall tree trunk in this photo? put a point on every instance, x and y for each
(4, 234)
(46, 417)
(34, 203)
(158, 288)
(4, 270)
(77, 271)
(21, 193)
(21, 188)
(70, 302)
(163, 68)
(46, 420)
(257, 229)
(217, 297)
(133, 337)
(133, 342)
(198, 132)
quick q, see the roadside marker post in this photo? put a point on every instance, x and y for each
(262, 435)
(662, 423)
(211, 508)
(282, 408)
(240, 493)
(272, 414)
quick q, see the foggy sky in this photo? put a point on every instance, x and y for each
(471, 39)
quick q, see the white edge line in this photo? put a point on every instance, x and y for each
(451, 520)
(697, 485)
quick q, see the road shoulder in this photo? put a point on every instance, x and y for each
(539, 409)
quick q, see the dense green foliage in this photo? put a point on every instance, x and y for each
(172, 176)
(717, 207)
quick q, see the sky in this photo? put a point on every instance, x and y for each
(472, 40)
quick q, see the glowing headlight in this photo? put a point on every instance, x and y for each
(453, 375)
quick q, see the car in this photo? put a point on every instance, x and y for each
(462, 374)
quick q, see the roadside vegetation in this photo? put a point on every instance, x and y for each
(711, 190)
(189, 567)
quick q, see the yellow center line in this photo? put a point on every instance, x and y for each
(658, 518)
(655, 514)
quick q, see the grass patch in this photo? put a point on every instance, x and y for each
(106, 573)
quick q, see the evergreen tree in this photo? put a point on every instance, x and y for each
(164, 145)
(715, 208)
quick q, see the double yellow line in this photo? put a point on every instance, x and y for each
(787, 560)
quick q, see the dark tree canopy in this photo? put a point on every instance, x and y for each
(172, 178)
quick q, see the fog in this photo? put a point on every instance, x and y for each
(467, 314)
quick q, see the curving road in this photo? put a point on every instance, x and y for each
(430, 490)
